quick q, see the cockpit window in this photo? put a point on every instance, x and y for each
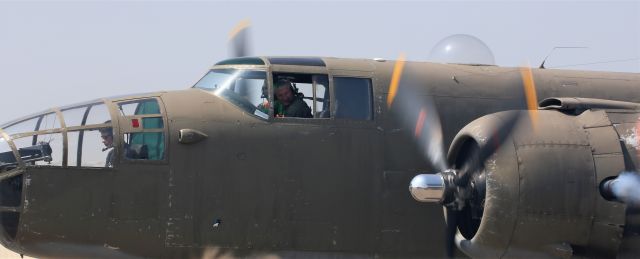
(246, 89)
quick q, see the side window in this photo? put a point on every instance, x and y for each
(309, 96)
(354, 98)
(143, 130)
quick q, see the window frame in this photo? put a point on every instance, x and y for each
(314, 87)
(296, 69)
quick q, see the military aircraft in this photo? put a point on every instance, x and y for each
(209, 172)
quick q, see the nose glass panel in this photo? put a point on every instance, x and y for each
(98, 114)
(95, 150)
(6, 155)
(49, 121)
(38, 150)
(41, 140)
(24, 126)
(73, 117)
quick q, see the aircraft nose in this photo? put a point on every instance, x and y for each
(55, 139)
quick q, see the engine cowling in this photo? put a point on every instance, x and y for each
(542, 187)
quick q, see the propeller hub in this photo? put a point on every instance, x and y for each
(427, 187)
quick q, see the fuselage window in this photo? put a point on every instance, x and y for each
(143, 130)
(300, 96)
(144, 145)
(354, 98)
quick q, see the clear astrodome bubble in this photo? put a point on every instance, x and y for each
(462, 49)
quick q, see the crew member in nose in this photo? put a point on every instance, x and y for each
(107, 139)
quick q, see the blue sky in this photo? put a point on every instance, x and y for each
(55, 53)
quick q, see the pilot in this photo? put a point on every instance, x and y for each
(107, 139)
(289, 102)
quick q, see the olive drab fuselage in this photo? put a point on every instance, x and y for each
(221, 180)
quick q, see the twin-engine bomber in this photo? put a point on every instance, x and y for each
(326, 157)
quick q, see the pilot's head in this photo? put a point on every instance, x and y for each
(107, 136)
(284, 91)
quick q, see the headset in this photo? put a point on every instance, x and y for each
(281, 81)
(288, 81)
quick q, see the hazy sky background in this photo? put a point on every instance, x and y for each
(56, 53)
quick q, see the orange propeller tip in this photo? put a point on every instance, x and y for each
(395, 79)
(530, 94)
(242, 25)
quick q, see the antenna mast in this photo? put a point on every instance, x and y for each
(553, 49)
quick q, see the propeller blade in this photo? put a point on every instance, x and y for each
(450, 231)
(530, 94)
(395, 79)
(239, 39)
(417, 112)
(493, 143)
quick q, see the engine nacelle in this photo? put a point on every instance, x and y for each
(542, 186)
